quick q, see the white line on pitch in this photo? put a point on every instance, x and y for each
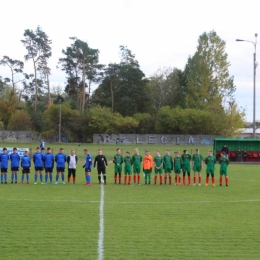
(134, 202)
(101, 226)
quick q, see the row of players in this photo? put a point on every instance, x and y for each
(166, 163)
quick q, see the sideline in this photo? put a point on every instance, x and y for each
(101, 226)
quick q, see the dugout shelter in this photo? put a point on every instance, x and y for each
(252, 146)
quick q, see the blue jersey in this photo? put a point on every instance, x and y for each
(26, 161)
(48, 160)
(4, 157)
(38, 160)
(60, 159)
(88, 164)
(15, 159)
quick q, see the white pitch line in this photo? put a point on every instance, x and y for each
(133, 202)
(101, 226)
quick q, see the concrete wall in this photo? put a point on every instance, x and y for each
(16, 136)
(154, 139)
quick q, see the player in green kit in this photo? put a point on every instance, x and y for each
(210, 162)
(224, 162)
(137, 160)
(168, 166)
(128, 168)
(197, 163)
(177, 165)
(186, 159)
(118, 160)
(158, 166)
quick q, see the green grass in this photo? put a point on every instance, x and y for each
(141, 222)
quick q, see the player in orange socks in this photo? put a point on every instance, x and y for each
(186, 159)
(210, 162)
(158, 167)
(224, 162)
(197, 163)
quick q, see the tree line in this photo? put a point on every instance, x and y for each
(118, 97)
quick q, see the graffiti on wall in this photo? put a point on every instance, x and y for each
(154, 139)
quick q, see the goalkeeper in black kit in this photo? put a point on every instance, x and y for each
(101, 162)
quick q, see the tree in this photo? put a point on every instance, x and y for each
(19, 121)
(207, 79)
(80, 64)
(38, 48)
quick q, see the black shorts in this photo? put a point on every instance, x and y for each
(14, 169)
(48, 170)
(38, 169)
(60, 169)
(73, 171)
(26, 170)
(87, 170)
(101, 170)
(3, 170)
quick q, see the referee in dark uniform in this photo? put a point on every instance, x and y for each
(101, 162)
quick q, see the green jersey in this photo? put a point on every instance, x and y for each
(158, 160)
(186, 158)
(128, 162)
(223, 161)
(137, 160)
(167, 162)
(210, 162)
(177, 164)
(197, 159)
(118, 159)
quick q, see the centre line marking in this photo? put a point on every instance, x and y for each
(101, 226)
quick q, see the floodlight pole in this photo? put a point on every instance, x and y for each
(254, 68)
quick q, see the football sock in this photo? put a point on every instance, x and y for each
(179, 179)
(62, 177)
(138, 178)
(125, 179)
(145, 177)
(74, 179)
(40, 177)
(119, 178)
(16, 176)
(135, 178)
(68, 179)
(105, 178)
(57, 177)
(189, 180)
(170, 179)
(175, 179)
(12, 176)
(22, 177)
(50, 177)
(155, 179)
(27, 177)
(46, 177)
(165, 179)
(194, 179)
(220, 180)
(149, 177)
(35, 177)
(207, 180)
(88, 179)
(115, 178)
(5, 177)
(183, 180)
(160, 179)
(129, 179)
(212, 179)
(1, 176)
(199, 179)
(226, 180)
(99, 178)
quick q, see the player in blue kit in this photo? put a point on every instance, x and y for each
(15, 159)
(87, 166)
(48, 162)
(26, 165)
(60, 159)
(38, 165)
(42, 146)
(4, 157)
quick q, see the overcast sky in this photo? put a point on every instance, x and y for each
(160, 33)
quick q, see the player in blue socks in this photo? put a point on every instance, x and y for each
(48, 160)
(60, 159)
(15, 159)
(4, 157)
(88, 166)
(38, 165)
(25, 164)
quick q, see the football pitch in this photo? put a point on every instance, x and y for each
(132, 222)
